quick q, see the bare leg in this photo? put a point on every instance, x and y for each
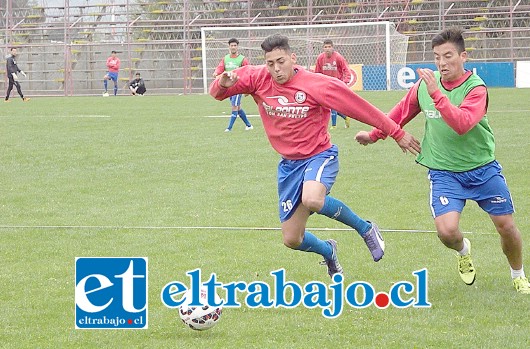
(511, 241)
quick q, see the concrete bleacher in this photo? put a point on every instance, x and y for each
(162, 39)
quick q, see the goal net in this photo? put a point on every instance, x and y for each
(376, 51)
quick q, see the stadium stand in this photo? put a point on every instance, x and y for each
(63, 45)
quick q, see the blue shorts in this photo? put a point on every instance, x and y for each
(485, 185)
(292, 174)
(235, 100)
(113, 76)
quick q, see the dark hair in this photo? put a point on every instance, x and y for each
(452, 35)
(137, 74)
(233, 40)
(276, 41)
(113, 51)
(328, 42)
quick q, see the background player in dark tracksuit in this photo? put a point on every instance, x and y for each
(12, 70)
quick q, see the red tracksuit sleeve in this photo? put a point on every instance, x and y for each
(220, 67)
(339, 97)
(244, 84)
(402, 113)
(467, 115)
(344, 70)
(318, 65)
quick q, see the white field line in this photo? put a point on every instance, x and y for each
(508, 111)
(115, 227)
(227, 115)
(73, 116)
(94, 116)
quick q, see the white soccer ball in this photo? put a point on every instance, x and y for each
(105, 94)
(200, 318)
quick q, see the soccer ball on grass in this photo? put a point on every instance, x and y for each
(200, 318)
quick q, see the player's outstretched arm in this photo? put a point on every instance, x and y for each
(407, 143)
(238, 81)
(228, 79)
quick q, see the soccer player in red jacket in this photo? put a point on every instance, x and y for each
(332, 63)
(113, 66)
(295, 105)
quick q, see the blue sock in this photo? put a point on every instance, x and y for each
(233, 118)
(243, 117)
(313, 244)
(105, 84)
(115, 90)
(336, 209)
(333, 118)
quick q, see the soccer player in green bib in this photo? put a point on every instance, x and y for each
(458, 148)
(230, 62)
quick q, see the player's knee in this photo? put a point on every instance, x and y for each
(449, 235)
(292, 241)
(506, 227)
(292, 236)
(313, 202)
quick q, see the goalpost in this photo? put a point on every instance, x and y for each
(374, 50)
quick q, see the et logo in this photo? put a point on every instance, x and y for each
(111, 293)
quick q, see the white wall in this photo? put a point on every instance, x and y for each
(522, 76)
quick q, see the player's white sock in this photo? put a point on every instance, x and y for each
(464, 251)
(517, 273)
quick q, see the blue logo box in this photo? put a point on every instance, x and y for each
(111, 293)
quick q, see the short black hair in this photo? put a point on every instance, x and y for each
(328, 42)
(276, 41)
(233, 40)
(137, 74)
(452, 35)
(113, 51)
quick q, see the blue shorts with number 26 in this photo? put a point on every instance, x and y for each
(292, 174)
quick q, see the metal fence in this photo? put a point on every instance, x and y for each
(63, 44)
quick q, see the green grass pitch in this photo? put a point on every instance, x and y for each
(130, 176)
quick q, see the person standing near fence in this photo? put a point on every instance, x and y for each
(12, 71)
(230, 62)
(113, 66)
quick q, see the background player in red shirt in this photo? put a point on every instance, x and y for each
(295, 105)
(113, 68)
(332, 63)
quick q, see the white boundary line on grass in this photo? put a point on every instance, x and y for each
(508, 111)
(228, 115)
(415, 231)
(96, 116)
